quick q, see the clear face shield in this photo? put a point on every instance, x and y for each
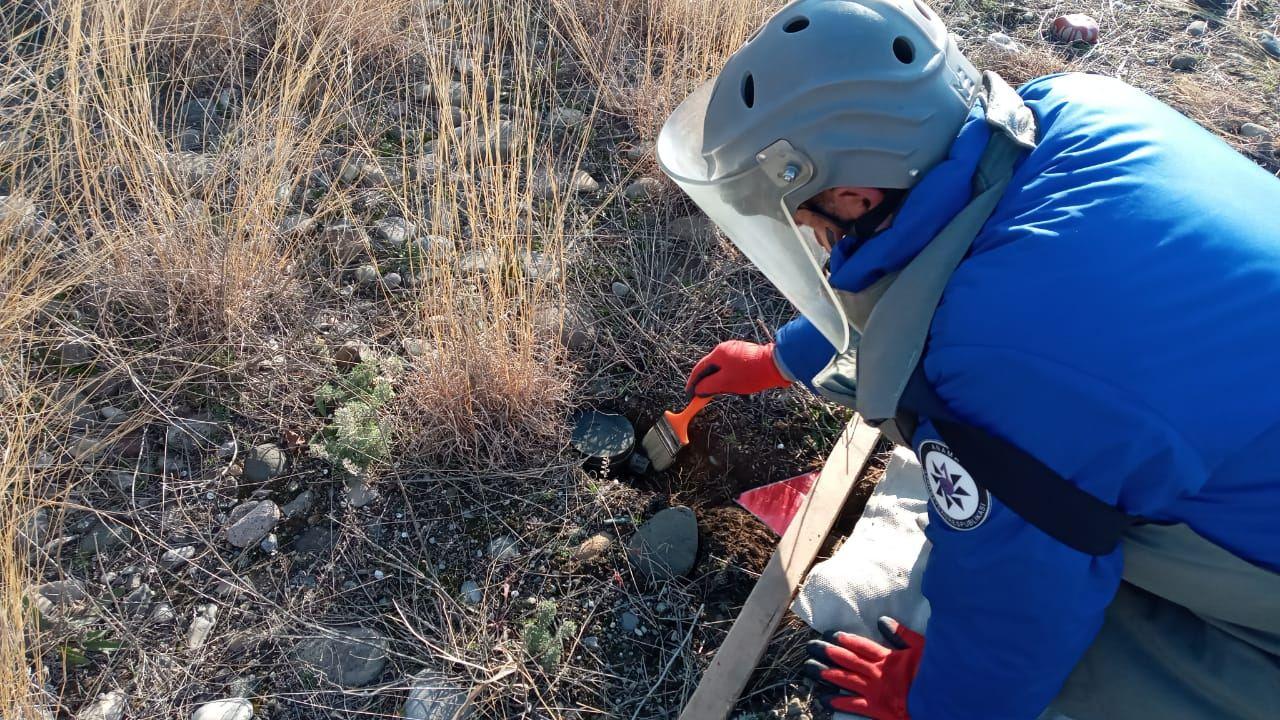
(753, 207)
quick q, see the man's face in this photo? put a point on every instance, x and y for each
(829, 212)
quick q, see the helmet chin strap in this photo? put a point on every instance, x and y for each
(867, 225)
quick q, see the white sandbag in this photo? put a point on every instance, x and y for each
(879, 569)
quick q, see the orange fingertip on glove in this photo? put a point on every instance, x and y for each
(874, 679)
(735, 367)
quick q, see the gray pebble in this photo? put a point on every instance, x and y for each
(298, 506)
(351, 657)
(108, 706)
(264, 463)
(432, 696)
(251, 521)
(471, 592)
(1254, 130)
(392, 280)
(1003, 42)
(629, 621)
(503, 548)
(1185, 63)
(643, 189)
(621, 290)
(174, 557)
(1270, 44)
(201, 626)
(270, 544)
(366, 275)
(1198, 28)
(230, 709)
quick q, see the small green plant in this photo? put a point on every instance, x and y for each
(356, 437)
(544, 641)
(76, 651)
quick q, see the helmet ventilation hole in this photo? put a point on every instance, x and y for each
(903, 50)
(748, 90)
(795, 25)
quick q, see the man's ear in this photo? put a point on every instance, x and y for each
(852, 202)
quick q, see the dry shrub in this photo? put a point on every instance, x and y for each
(1016, 68)
(483, 402)
(1221, 109)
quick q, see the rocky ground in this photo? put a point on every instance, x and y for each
(302, 305)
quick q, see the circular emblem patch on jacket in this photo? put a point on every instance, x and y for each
(960, 501)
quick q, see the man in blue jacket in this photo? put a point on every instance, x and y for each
(1066, 299)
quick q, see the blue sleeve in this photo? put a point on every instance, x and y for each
(801, 350)
(1013, 610)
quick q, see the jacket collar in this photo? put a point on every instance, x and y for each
(930, 205)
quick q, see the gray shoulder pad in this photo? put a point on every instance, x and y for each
(1006, 110)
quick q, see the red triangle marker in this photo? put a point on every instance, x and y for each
(776, 504)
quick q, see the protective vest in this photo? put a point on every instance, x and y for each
(882, 378)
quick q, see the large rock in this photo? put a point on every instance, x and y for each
(108, 706)
(229, 709)
(350, 657)
(264, 463)
(667, 545)
(432, 696)
(251, 521)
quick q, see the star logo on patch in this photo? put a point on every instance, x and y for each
(957, 497)
(948, 488)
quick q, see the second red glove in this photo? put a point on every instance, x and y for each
(875, 679)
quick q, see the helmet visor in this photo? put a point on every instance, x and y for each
(752, 206)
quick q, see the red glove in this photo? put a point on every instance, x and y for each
(878, 677)
(736, 368)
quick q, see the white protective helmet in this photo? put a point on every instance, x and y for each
(828, 93)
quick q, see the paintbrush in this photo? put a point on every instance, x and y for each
(671, 433)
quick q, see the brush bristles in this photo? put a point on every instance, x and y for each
(661, 445)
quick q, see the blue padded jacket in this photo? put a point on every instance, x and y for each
(1118, 317)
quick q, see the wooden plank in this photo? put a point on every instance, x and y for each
(736, 659)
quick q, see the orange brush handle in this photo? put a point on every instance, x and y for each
(680, 421)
